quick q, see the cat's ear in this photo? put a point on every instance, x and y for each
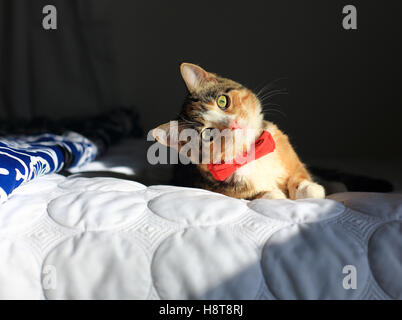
(194, 76)
(167, 134)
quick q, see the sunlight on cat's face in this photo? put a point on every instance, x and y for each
(218, 103)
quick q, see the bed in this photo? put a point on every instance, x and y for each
(105, 231)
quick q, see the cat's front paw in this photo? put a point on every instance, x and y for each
(309, 189)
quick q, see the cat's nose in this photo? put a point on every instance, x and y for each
(234, 125)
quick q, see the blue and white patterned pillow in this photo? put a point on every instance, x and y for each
(23, 158)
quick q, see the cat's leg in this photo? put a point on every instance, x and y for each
(274, 194)
(299, 184)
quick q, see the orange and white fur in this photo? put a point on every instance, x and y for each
(277, 175)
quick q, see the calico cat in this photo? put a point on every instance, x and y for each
(214, 102)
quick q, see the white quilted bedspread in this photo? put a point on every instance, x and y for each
(107, 238)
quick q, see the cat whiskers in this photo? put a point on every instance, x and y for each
(263, 97)
(267, 111)
(271, 94)
(268, 86)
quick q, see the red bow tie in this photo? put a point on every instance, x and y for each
(263, 145)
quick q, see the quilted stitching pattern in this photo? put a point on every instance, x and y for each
(106, 238)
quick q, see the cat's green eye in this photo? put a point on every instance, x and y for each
(207, 134)
(223, 102)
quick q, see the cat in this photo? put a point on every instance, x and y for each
(214, 102)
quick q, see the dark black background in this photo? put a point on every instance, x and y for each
(344, 86)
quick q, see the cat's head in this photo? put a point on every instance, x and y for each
(214, 102)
